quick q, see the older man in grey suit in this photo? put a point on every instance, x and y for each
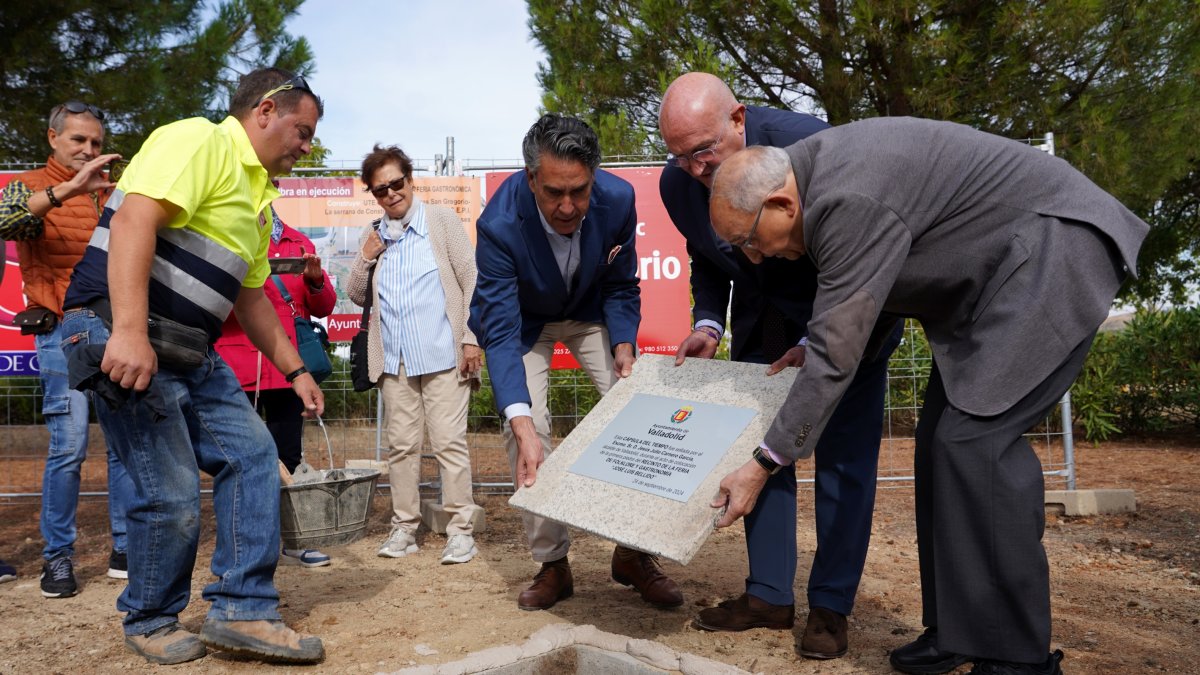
(1010, 260)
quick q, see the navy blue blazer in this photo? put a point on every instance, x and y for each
(789, 285)
(520, 289)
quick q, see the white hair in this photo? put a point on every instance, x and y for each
(759, 171)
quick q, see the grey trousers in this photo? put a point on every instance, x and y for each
(985, 581)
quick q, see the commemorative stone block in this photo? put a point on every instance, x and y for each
(642, 468)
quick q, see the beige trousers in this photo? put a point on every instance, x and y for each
(548, 539)
(437, 402)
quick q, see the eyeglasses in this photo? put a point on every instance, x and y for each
(76, 107)
(381, 191)
(748, 241)
(702, 157)
(295, 82)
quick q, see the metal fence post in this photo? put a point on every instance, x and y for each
(1068, 440)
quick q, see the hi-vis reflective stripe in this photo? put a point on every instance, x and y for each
(179, 281)
(115, 200)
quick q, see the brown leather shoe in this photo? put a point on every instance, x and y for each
(641, 570)
(745, 612)
(552, 583)
(824, 635)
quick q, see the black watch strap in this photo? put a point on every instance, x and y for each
(764, 460)
(291, 377)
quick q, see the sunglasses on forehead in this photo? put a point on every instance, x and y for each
(381, 191)
(296, 82)
(76, 107)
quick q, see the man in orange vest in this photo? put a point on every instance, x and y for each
(50, 213)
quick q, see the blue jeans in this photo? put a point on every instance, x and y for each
(209, 426)
(66, 413)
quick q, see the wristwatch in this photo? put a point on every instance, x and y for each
(764, 460)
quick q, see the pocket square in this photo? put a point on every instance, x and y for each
(612, 255)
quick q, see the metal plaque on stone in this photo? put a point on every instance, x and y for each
(642, 468)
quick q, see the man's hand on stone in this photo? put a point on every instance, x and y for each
(739, 492)
(699, 344)
(529, 450)
(793, 357)
(623, 359)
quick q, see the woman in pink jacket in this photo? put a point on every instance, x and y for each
(313, 295)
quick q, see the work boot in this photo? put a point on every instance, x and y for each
(641, 570)
(167, 645)
(824, 634)
(552, 583)
(745, 612)
(265, 640)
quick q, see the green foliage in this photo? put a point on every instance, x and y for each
(1144, 378)
(145, 63)
(21, 400)
(908, 372)
(341, 401)
(1117, 82)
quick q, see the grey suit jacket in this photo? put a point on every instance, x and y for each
(1007, 256)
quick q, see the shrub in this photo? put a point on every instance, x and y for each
(1144, 378)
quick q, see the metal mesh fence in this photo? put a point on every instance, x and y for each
(351, 422)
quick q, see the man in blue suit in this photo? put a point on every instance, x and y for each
(702, 123)
(557, 263)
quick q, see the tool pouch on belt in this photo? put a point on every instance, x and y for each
(35, 321)
(177, 346)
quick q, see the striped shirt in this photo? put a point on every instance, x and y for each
(412, 302)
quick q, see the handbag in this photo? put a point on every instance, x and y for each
(360, 371)
(312, 342)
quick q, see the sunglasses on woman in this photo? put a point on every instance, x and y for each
(381, 191)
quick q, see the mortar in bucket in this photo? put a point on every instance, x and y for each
(325, 508)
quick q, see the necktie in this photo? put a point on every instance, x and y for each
(774, 333)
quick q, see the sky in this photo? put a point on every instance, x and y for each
(412, 72)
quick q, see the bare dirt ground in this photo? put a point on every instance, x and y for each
(1125, 589)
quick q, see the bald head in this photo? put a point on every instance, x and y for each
(701, 116)
(695, 97)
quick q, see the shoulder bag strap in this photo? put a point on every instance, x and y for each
(287, 297)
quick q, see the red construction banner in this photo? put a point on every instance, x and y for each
(17, 353)
(662, 268)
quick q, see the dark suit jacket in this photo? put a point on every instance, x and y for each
(1008, 257)
(787, 284)
(520, 289)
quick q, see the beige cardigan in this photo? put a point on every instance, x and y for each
(456, 268)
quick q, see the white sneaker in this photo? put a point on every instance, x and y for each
(398, 544)
(459, 549)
